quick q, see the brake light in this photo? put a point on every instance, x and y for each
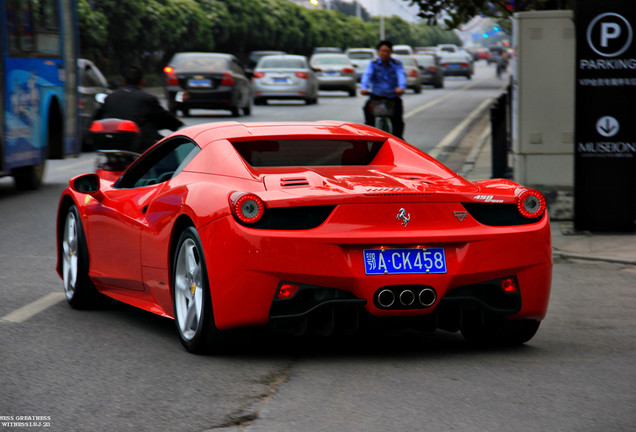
(171, 75)
(227, 80)
(81, 104)
(258, 75)
(432, 69)
(464, 65)
(247, 207)
(128, 126)
(413, 73)
(302, 75)
(348, 70)
(531, 203)
(96, 127)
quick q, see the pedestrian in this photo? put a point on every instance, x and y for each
(385, 78)
(130, 102)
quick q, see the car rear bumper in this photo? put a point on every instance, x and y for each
(221, 97)
(331, 263)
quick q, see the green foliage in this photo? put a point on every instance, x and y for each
(115, 33)
(454, 13)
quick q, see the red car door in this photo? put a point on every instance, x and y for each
(114, 232)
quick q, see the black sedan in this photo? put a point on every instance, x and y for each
(207, 81)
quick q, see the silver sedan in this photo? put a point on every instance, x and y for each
(284, 77)
(334, 72)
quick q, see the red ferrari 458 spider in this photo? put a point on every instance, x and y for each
(304, 227)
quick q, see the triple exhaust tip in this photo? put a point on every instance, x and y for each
(426, 297)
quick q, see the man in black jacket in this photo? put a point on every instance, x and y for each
(130, 102)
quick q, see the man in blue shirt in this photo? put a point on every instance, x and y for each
(385, 78)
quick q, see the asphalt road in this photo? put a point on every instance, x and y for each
(121, 369)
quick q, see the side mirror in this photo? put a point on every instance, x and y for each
(86, 184)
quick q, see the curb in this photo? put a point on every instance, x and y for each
(568, 255)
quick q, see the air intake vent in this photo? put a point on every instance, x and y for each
(294, 182)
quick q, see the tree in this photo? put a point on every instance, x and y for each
(454, 13)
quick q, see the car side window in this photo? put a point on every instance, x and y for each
(160, 164)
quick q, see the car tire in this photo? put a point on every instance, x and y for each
(353, 92)
(417, 89)
(191, 294)
(80, 291)
(185, 112)
(247, 110)
(483, 330)
(236, 111)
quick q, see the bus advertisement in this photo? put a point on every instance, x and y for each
(38, 85)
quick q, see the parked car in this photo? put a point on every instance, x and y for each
(91, 83)
(412, 71)
(327, 50)
(360, 59)
(284, 77)
(306, 227)
(208, 81)
(334, 72)
(431, 70)
(402, 50)
(457, 64)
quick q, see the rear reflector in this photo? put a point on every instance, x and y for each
(509, 285)
(287, 290)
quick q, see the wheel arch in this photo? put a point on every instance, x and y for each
(65, 203)
(182, 222)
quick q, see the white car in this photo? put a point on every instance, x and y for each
(360, 59)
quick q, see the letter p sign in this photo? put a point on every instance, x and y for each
(609, 30)
(609, 34)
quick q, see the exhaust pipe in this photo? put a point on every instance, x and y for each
(407, 298)
(386, 298)
(427, 297)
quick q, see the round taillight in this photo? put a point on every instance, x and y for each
(247, 207)
(531, 203)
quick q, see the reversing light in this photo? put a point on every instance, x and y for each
(287, 290)
(509, 285)
(247, 207)
(531, 203)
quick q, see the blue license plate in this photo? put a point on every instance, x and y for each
(453, 66)
(404, 261)
(199, 83)
(280, 80)
(331, 73)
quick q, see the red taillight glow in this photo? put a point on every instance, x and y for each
(287, 290)
(258, 75)
(96, 127)
(413, 73)
(247, 207)
(348, 70)
(531, 203)
(128, 126)
(302, 75)
(464, 65)
(509, 285)
(432, 69)
(171, 75)
(227, 80)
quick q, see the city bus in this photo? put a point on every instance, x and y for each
(38, 87)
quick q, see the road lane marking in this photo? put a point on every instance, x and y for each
(33, 308)
(452, 135)
(441, 99)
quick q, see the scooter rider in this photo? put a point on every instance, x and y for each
(385, 77)
(130, 102)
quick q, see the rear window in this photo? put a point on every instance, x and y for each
(307, 152)
(360, 55)
(425, 60)
(278, 63)
(328, 60)
(200, 63)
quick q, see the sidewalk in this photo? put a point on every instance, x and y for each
(566, 242)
